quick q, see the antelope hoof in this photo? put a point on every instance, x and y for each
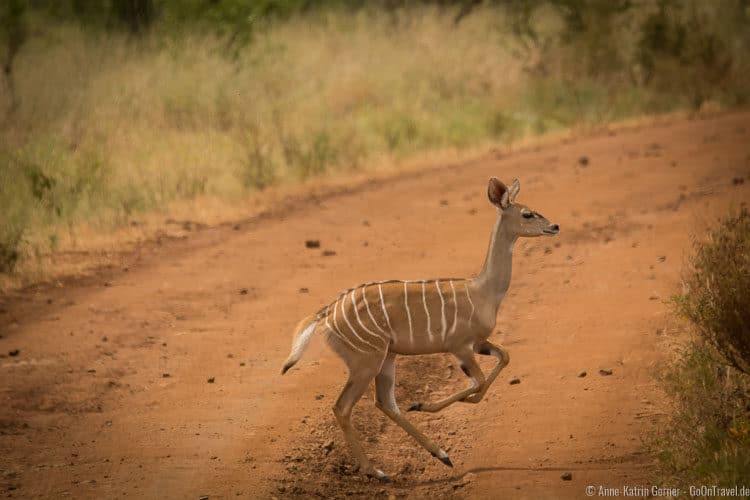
(378, 474)
(415, 407)
(443, 457)
(474, 398)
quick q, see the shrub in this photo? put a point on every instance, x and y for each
(707, 440)
(708, 437)
(717, 300)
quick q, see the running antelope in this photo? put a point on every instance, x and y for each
(368, 325)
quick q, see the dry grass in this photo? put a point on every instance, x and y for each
(111, 131)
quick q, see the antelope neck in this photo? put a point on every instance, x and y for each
(494, 279)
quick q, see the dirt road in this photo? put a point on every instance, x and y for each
(163, 381)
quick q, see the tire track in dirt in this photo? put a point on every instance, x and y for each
(109, 395)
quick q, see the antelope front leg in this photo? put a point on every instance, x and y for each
(472, 370)
(503, 358)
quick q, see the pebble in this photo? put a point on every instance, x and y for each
(515, 381)
(582, 374)
(567, 476)
(604, 373)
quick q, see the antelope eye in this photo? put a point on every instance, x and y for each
(527, 215)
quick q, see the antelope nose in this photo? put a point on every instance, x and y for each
(555, 227)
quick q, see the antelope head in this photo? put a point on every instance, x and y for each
(518, 219)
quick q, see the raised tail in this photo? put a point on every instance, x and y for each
(303, 334)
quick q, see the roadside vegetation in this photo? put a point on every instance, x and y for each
(707, 441)
(112, 110)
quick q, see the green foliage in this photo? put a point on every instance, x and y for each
(258, 169)
(16, 203)
(39, 186)
(399, 131)
(12, 25)
(693, 41)
(12, 37)
(717, 300)
(691, 48)
(311, 157)
(707, 440)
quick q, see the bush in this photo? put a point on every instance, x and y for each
(42, 187)
(15, 205)
(707, 440)
(717, 300)
(708, 437)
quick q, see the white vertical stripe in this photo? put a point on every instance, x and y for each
(426, 311)
(367, 305)
(335, 323)
(354, 332)
(466, 287)
(328, 325)
(385, 311)
(442, 310)
(359, 320)
(455, 309)
(338, 333)
(408, 314)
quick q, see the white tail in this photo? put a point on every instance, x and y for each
(301, 339)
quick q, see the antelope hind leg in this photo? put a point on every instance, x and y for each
(386, 401)
(342, 409)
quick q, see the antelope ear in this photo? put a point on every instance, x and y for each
(513, 190)
(497, 192)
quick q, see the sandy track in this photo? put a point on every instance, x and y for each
(109, 396)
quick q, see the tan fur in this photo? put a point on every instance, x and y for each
(368, 325)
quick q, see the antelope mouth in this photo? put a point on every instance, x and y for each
(552, 230)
